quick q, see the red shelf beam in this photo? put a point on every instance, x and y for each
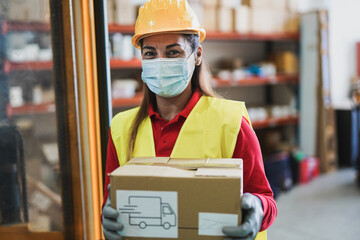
(29, 108)
(255, 81)
(114, 28)
(28, 66)
(48, 65)
(260, 37)
(130, 29)
(11, 26)
(274, 122)
(117, 63)
(216, 35)
(128, 102)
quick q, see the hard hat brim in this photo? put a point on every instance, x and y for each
(137, 37)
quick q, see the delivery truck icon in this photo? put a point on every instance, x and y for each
(147, 211)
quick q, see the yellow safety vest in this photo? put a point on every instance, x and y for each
(210, 131)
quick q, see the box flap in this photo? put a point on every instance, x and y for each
(219, 172)
(148, 160)
(152, 171)
(225, 162)
(188, 163)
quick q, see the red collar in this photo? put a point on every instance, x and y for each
(185, 112)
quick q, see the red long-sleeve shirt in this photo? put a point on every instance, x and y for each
(247, 147)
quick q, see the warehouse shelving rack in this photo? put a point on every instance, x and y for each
(8, 67)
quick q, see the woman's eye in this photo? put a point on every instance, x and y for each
(149, 54)
(173, 53)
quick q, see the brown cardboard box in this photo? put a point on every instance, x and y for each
(159, 199)
(286, 62)
(242, 19)
(225, 19)
(24, 10)
(210, 18)
(210, 3)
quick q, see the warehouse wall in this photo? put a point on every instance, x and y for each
(343, 34)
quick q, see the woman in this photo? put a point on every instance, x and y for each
(180, 110)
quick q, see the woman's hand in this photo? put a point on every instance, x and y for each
(109, 221)
(253, 215)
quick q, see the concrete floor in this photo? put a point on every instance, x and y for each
(325, 209)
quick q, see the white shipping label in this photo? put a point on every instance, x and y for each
(211, 224)
(148, 213)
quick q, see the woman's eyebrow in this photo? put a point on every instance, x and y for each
(173, 45)
(149, 47)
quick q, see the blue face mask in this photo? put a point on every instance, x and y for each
(166, 77)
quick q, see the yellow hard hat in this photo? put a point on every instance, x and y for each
(163, 16)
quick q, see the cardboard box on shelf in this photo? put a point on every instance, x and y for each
(280, 5)
(293, 5)
(286, 62)
(279, 18)
(197, 7)
(209, 3)
(229, 3)
(23, 10)
(292, 23)
(246, 3)
(210, 18)
(225, 19)
(161, 198)
(125, 12)
(256, 4)
(45, 11)
(110, 7)
(242, 19)
(261, 21)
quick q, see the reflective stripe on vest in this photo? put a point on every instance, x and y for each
(210, 131)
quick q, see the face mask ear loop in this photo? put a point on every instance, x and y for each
(187, 70)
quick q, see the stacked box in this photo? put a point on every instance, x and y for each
(292, 22)
(198, 10)
(210, 14)
(293, 17)
(287, 62)
(273, 16)
(225, 19)
(23, 10)
(110, 7)
(226, 15)
(242, 19)
(125, 12)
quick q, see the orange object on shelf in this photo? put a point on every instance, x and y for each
(128, 102)
(118, 63)
(273, 122)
